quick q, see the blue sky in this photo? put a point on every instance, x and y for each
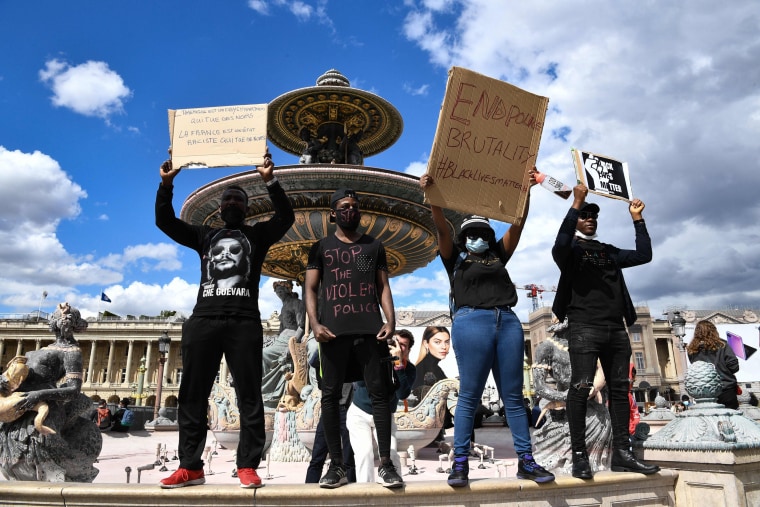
(673, 88)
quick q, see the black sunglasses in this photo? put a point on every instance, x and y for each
(585, 215)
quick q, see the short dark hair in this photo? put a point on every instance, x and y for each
(405, 333)
(239, 189)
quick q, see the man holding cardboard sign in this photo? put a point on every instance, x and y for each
(593, 296)
(226, 320)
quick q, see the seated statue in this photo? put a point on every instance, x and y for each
(332, 142)
(551, 377)
(54, 379)
(276, 360)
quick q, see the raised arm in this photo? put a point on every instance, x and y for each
(511, 238)
(443, 233)
(283, 216)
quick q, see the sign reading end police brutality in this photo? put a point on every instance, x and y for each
(486, 143)
(218, 136)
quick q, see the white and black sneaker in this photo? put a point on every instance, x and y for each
(388, 477)
(335, 476)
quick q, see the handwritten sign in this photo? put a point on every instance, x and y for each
(218, 136)
(603, 175)
(487, 140)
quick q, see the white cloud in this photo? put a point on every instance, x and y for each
(139, 298)
(653, 84)
(35, 196)
(417, 168)
(90, 89)
(259, 6)
(421, 90)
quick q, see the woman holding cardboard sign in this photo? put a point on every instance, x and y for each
(486, 335)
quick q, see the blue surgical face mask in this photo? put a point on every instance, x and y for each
(476, 245)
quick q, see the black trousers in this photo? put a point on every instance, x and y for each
(350, 358)
(609, 344)
(319, 452)
(204, 341)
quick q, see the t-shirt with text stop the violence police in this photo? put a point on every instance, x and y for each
(350, 303)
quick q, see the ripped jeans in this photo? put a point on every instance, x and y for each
(611, 345)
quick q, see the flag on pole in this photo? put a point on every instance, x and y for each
(105, 298)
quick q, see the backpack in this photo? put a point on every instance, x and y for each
(104, 418)
(127, 417)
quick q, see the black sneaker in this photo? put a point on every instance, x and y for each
(581, 466)
(460, 470)
(388, 477)
(335, 476)
(527, 468)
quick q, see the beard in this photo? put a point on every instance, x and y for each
(233, 216)
(348, 219)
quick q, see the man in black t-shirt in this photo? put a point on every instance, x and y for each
(593, 296)
(348, 272)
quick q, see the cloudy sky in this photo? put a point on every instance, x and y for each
(673, 88)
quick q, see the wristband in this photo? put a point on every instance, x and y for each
(272, 181)
(639, 221)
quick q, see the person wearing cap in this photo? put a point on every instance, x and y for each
(593, 296)
(226, 320)
(348, 272)
(486, 334)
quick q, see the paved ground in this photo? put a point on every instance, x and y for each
(139, 449)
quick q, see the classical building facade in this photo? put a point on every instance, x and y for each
(121, 357)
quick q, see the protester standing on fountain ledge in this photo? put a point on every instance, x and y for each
(348, 270)
(486, 334)
(593, 296)
(226, 320)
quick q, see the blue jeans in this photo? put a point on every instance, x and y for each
(489, 341)
(613, 349)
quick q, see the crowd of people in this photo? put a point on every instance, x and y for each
(362, 360)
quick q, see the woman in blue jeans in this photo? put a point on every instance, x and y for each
(486, 334)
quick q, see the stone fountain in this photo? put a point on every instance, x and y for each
(331, 128)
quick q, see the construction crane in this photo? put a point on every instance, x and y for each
(535, 292)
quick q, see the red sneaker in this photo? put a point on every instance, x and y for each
(183, 477)
(248, 478)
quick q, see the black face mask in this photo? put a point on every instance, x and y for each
(348, 219)
(233, 216)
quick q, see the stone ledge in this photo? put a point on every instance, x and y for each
(607, 489)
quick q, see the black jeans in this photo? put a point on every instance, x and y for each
(349, 358)
(611, 346)
(204, 341)
(319, 452)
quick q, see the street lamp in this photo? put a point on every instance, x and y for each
(678, 325)
(163, 349)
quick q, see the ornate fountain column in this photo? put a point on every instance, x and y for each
(716, 450)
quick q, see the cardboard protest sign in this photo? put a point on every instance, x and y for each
(218, 136)
(487, 140)
(603, 175)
